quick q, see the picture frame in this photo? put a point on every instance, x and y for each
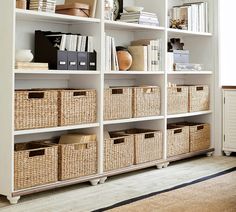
(117, 9)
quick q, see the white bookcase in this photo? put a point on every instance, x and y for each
(18, 28)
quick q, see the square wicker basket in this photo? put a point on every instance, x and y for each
(118, 103)
(36, 109)
(199, 98)
(148, 145)
(146, 101)
(77, 107)
(177, 99)
(177, 140)
(34, 164)
(118, 151)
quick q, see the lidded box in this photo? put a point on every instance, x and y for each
(75, 9)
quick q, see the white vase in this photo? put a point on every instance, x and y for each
(24, 55)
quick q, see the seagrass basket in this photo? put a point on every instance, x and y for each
(199, 98)
(118, 151)
(77, 107)
(177, 100)
(117, 103)
(34, 164)
(177, 140)
(146, 101)
(36, 109)
(148, 145)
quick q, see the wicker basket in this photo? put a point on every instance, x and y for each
(148, 145)
(76, 160)
(77, 107)
(200, 135)
(177, 140)
(177, 100)
(36, 109)
(146, 101)
(35, 164)
(118, 152)
(118, 103)
(198, 98)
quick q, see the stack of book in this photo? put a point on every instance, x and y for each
(111, 61)
(71, 42)
(190, 16)
(43, 5)
(140, 18)
(146, 54)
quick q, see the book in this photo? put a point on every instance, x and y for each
(139, 55)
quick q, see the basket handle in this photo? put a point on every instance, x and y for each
(36, 95)
(117, 91)
(81, 146)
(150, 135)
(178, 131)
(35, 153)
(119, 141)
(179, 90)
(201, 88)
(79, 93)
(200, 127)
(148, 90)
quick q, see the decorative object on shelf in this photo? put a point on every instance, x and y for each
(177, 24)
(130, 9)
(175, 44)
(24, 55)
(31, 66)
(76, 9)
(92, 5)
(21, 4)
(140, 17)
(188, 67)
(117, 9)
(108, 10)
(124, 58)
(43, 5)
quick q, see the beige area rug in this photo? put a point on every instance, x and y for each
(210, 194)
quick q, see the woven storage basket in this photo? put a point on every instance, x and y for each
(118, 152)
(200, 135)
(76, 160)
(118, 103)
(177, 100)
(146, 101)
(177, 140)
(148, 145)
(34, 164)
(36, 109)
(198, 98)
(77, 107)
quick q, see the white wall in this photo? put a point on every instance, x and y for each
(227, 36)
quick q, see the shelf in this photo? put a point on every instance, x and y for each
(186, 32)
(134, 72)
(190, 73)
(29, 15)
(55, 185)
(183, 115)
(69, 72)
(121, 121)
(55, 129)
(118, 25)
(189, 155)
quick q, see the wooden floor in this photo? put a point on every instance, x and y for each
(85, 198)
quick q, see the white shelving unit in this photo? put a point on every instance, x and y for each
(18, 32)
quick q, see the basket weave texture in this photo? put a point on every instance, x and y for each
(36, 109)
(177, 100)
(146, 101)
(34, 165)
(76, 160)
(148, 145)
(177, 140)
(77, 107)
(198, 98)
(118, 103)
(118, 152)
